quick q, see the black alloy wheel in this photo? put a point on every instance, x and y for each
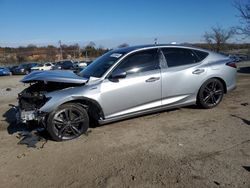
(69, 121)
(210, 93)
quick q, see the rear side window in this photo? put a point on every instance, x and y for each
(201, 55)
(179, 56)
(140, 62)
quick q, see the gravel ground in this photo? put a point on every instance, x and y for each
(186, 147)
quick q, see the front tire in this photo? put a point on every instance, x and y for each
(210, 93)
(67, 122)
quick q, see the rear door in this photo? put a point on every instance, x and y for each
(182, 75)
(139, 90)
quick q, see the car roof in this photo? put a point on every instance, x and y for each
(138, 47)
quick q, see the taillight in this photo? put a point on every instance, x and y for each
(231, 64)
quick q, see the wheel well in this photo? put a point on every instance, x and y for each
(93, 108)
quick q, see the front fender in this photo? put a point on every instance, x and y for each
(60, 97)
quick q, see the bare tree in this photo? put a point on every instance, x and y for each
(244, 15)
(218, 36)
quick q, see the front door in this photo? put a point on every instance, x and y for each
(139, 90)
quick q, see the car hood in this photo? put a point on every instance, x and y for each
(54, 76)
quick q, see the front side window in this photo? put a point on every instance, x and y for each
(179, 56)
(142, 61)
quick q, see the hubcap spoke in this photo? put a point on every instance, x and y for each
(207, 98)
(61, 132)
(78, 120)
(74, 130)
(58, 121)
(218, 92)
(207, 89)
(67, 117)
(214, 84)
(213, 99)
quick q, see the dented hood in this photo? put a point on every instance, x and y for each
(54, 76)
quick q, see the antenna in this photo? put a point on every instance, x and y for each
(155, 40)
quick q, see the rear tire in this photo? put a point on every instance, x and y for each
(210, 93)
(67, 122)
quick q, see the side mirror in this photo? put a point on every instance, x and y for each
(118, 74)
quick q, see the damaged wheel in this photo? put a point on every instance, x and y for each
(68, 122)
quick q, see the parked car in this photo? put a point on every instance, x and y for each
(24, 68)
(235, 58)
(80, 64)
(11, 68)
(4, 71)
(64, 65)
(124, 83)
(45, 66)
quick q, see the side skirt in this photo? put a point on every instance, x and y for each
(143, 112)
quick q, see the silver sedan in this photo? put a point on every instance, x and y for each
(124, 83)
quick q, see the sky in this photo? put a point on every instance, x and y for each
(109, 23)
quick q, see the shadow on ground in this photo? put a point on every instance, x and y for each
(247, 122)
(247, 168)
(13, 126)
(29, 134)
(244, 70)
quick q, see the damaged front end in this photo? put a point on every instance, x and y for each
(30, 100)
(33, 98)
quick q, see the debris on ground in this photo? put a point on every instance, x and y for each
(8, 89)
(216, 183)
(244, 104)
(31, 138)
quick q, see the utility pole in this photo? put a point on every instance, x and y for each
(79, 52)
(86, 54)
(60, 44)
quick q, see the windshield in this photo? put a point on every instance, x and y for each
(98, 67)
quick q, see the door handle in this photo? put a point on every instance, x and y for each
(153, 79)
(198, 71)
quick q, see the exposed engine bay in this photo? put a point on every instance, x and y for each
(31, 99)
